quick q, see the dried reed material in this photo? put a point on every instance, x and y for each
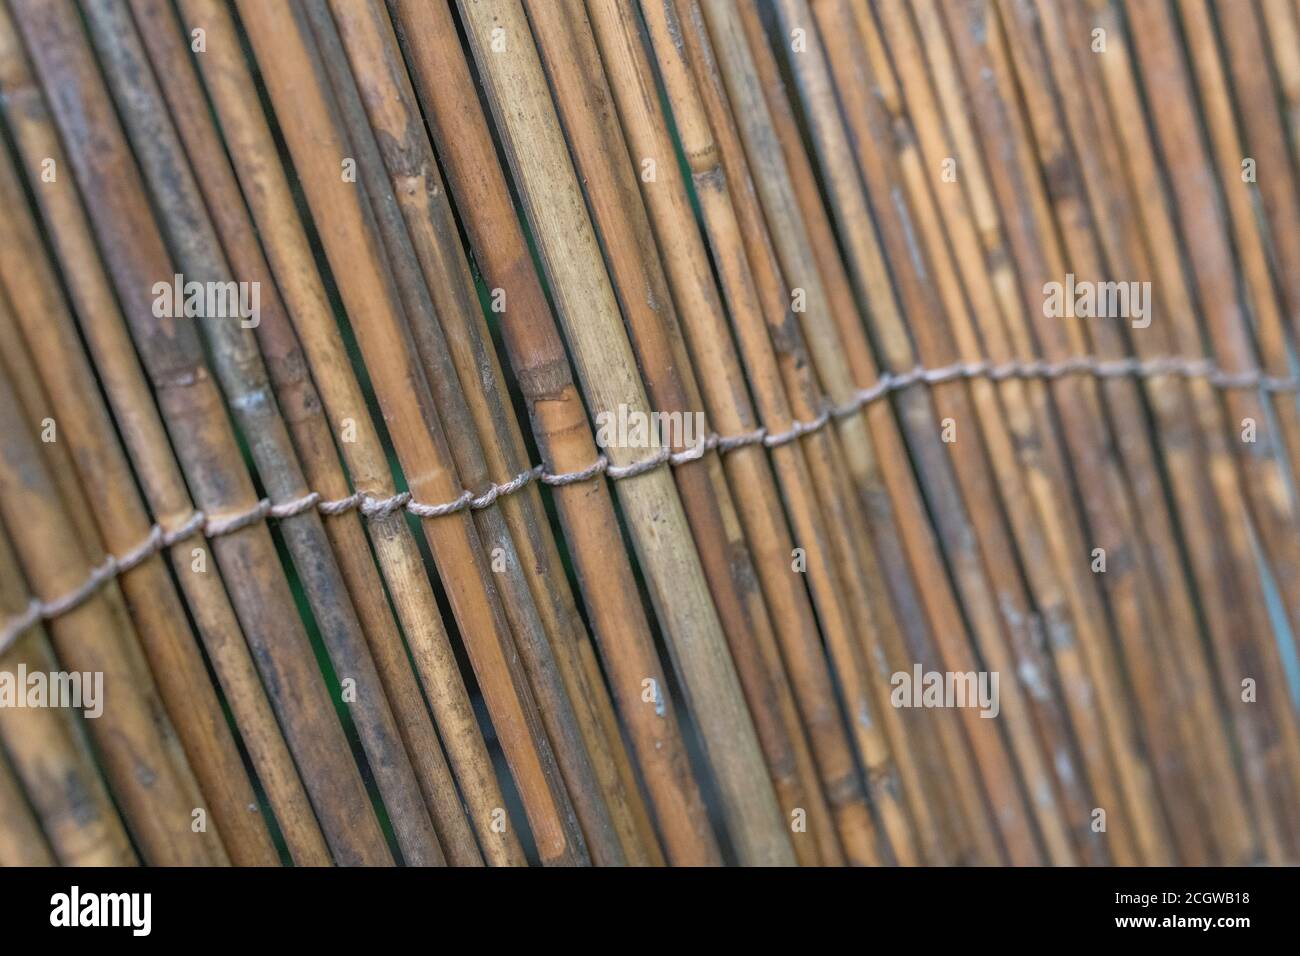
(1190, 458)
(1064, 595)
(49, 753)
(1120, 94)
(151, 596)
(369, 291)
(243, 379)
(1246, 53)
(591, 318)
(967, 818)
(558, 715)
(297, 397)
(723, 381)
(1281, 23)
(143, 759)
(146, 443)
(1078, 405)
(1169, 728)
(21, 840)
(570, 57)
(841, 508)
(271, 204)
(984, 468)
(1206, 741)
(827, 346)
(552, 657)
(1209, 255)
(204, 440)
(559, 423)
(824, 231)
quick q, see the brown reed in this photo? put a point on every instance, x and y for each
(824, 232)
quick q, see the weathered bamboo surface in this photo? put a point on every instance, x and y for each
(649, 432)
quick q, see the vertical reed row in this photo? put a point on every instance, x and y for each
(689, 432)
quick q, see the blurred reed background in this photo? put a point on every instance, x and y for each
(314, 316)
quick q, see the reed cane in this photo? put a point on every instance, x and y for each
(950, 400)
(156, 609)
(967, 814)
(688, 267)
(1211, 260)
(1233, 492)
(146, 443)
(734, 67)
(570, 58)
(437, 245)
(1253, 249)
(21, 840)
(1008, 430)
(143, 760)
(297, 397)
(202, 436)
(244, 126)
(1246, 53)
(244, 380)
(1281, 24)
(857, 657)
(945, 215)
(1193, 507)
(281, 38)
(558, 715)
(49, 753)
(1174, 739)
(559, 422)
(590, 315)
(1100, 482)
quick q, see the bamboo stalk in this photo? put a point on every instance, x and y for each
(950, 400)
(968, 817)
(204, 441)
(689, 270)
(21, 840)
(557, 714)
(297, 397)
(1282, 25)
(282, 41)
(1265, 300)
(48, 751)
(244, 380)
(1171, 732)
(870, 605)
(143, 760)
(802, 272)
(1194, 507)
(151, 597)
(1070, 608)
(1008, 341)
(813, 232)
(1211, 261)
(1077, 403)
(271, 204)
(146, 443)
(570, 57)
(1012, 441)
(1246, 53)
(437, 245)
(1231, 490)
(537, 356)
(591, 319)
(368, 33)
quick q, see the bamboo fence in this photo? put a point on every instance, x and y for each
(649, 432)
